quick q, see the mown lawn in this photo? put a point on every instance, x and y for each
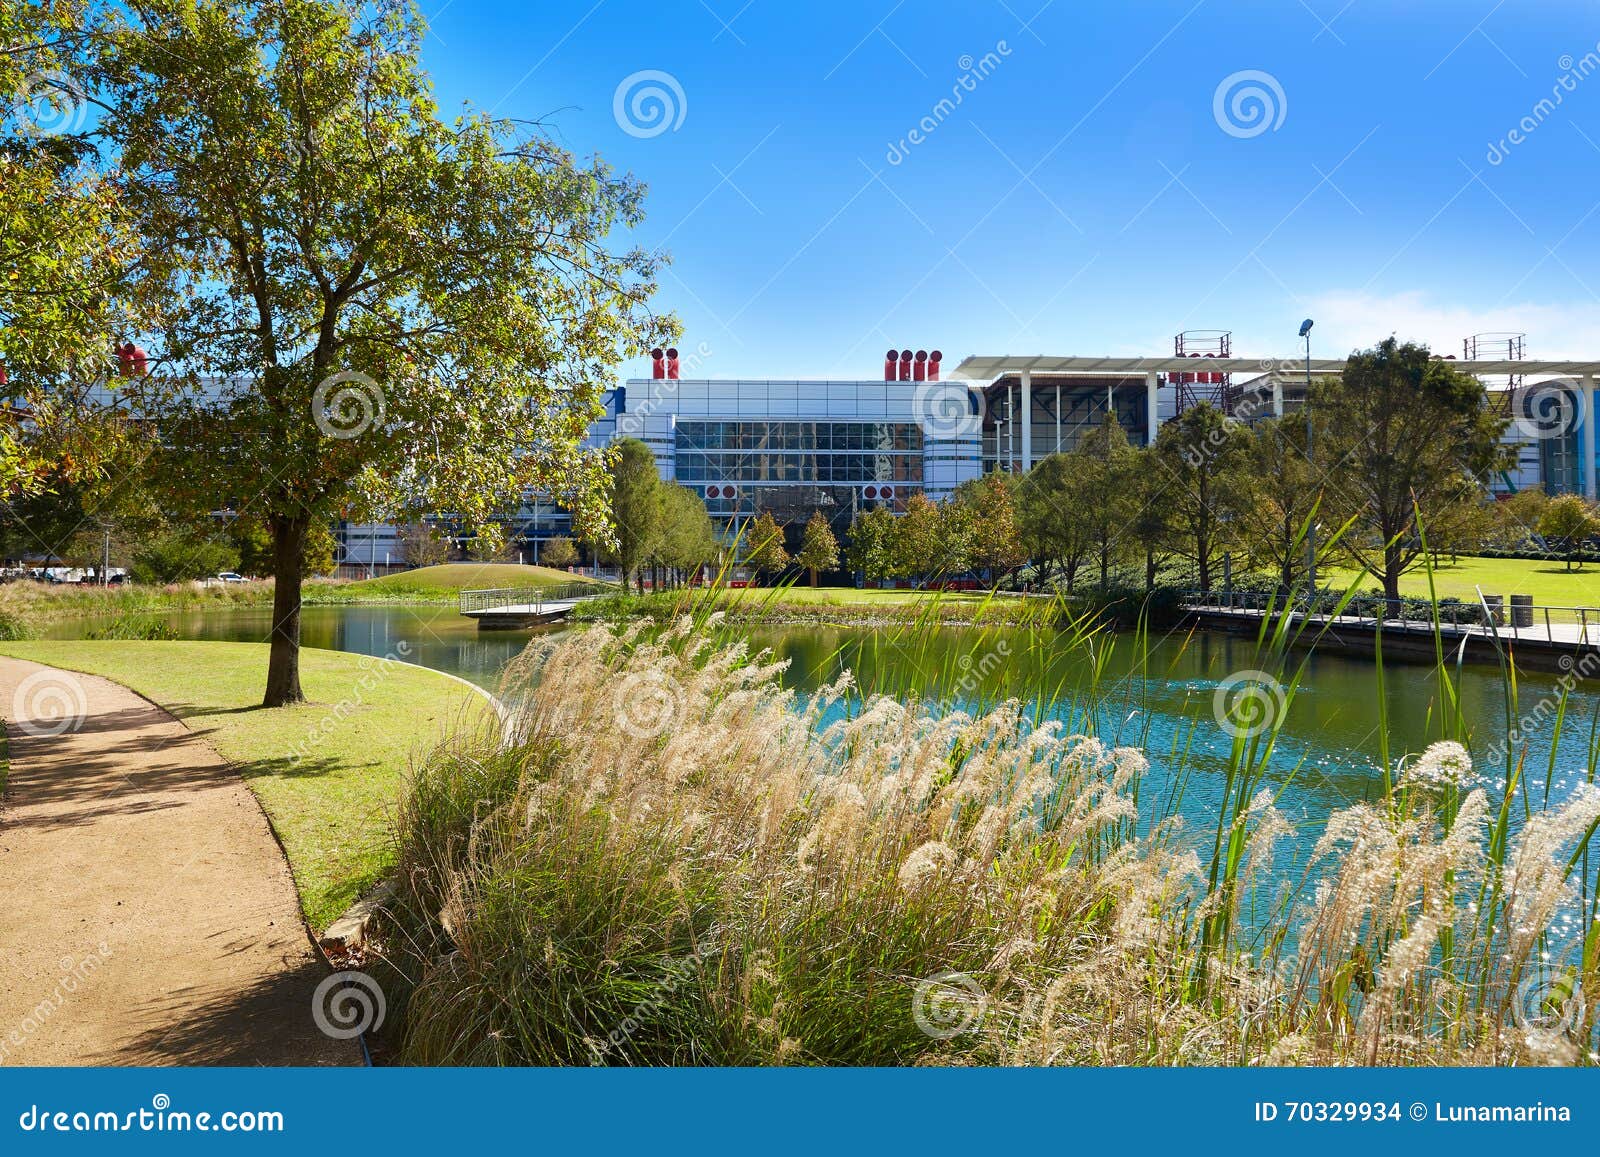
(1548, 582)
(331, 807)
(441, 584)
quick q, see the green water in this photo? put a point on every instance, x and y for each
(1161, 700)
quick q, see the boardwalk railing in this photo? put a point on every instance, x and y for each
(1519, 620)
(528, 600)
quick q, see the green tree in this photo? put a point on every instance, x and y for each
(1154, 525)
(1054, 534)
(1515, 519)
(421, 544)
(65, 242)
(687, 539)
(1404, 432)
(559, 553)
(1200, 455)
(1103, 494)
(1571, 521)
(993, 539)
(819, 550)
(870, 549)
(403, 311)
(634, 491)
(763, 545)
(919, 548)
(252, 541)
(183, 554)
(1279, 496)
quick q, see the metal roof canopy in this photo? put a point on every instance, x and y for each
(987, 368)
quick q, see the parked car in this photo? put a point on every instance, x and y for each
(229, 576)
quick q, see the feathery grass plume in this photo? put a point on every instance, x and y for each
(665, 857)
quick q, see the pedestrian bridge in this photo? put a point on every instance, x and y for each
(1558, 639)
(510, 608)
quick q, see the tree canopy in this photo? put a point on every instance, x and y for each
(354, 307)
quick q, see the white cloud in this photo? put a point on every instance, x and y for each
(1351, 320)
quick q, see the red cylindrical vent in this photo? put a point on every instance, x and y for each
(933, 365)
(891, 366)
(905, 365)
(132, 362)
(919, 367)
(672, 364)
(658, 364)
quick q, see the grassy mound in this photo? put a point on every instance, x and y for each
(329, 772)
(442, 584)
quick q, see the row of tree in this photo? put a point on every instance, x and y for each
(1388, 461)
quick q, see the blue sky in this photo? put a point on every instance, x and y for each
(1085, 196)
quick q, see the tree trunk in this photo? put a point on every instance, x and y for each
(288, 568)
(1391, 580)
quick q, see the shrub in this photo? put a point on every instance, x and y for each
(666, 858)
(182, 555)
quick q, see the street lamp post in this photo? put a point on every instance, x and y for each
(1311, 524)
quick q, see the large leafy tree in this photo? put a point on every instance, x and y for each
(370, 307)
(1103, 497)
(1407, 434)
(1053, 533)
(1200, 454)
(993, 541)
(1279, 500)
(633, 490)
(819, 550)
(65, 242)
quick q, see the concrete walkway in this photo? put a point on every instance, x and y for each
(147, 915)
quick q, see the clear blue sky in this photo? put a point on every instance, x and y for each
(1083, 197)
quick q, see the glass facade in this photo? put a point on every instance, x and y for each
(797, 466)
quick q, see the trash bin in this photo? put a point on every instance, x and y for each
(1496, 605)
(1522, 610)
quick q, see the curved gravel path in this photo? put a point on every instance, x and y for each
(147, 915)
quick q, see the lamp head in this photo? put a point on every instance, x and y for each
(1305, 327)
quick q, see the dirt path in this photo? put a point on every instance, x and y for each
(147, 915)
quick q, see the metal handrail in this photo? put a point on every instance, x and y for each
(1459, 616)
(535, 597)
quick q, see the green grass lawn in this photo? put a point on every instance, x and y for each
(441, 584)
(332, 807)
(1548, 582)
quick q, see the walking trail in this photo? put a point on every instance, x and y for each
(148, 916)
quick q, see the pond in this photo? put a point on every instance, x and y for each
(1160, 697)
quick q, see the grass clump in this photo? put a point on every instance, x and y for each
(663, 857)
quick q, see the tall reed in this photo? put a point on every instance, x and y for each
(666, 857)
